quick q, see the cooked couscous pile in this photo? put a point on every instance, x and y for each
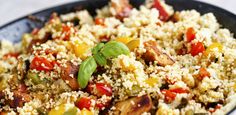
(151, 60)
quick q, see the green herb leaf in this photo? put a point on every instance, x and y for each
(86, 69)
(97, 48)
(113, 49)
(100, 59)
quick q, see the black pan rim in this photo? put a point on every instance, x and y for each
(58, 6)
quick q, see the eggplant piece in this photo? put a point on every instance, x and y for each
(154, 54)
(134, 106)
(69, 74)
(2, 97)
(23, 67)
(183, 103)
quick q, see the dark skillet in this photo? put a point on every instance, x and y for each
(14, 30)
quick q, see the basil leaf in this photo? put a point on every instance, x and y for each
(100, 59)
(97, 48)
(86, 69)
(113, 49)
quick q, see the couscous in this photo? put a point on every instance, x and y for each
(151, 60)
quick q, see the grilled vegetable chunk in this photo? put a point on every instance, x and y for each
(69, 74)
(134, 106)
(22, 67)
(20, 96)
(154, 54)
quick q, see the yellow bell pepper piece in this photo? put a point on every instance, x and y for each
(86, 112)
(124, 40)
(151, 81)
(234, 87)
(133, 44)
(59, 110)
(80, 50)
(213, 47)
(68, 45)
(126, 67)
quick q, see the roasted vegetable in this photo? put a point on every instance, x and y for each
(80, 49)
(154, 54)
(99, 21)
(69, 74)
(124, 39)
(202, 74)
(197, 48)
(190, 34)
(214, 47)
(83, 103)
(3, 82)
(100, 89)
(38, 41)
(20, 96)
(164, 16)
(134, 106)
(121, 8)
(41, 64)
(133, 44)
(11, 54)
(183, 103)
(171, 93)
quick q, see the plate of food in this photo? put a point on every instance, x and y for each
(138, 57)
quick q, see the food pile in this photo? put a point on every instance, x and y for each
(124, 60)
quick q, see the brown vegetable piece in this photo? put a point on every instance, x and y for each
(122, 8)
(20, 96)
(183, 50)
(154, 54)
(19, 99)
(2, 95)
(3, 113)
(40, 41)
(175, 17)
(66, 75)
(134, 106)
(22, 67)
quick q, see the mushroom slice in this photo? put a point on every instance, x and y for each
(134, 106)
(154, 54)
